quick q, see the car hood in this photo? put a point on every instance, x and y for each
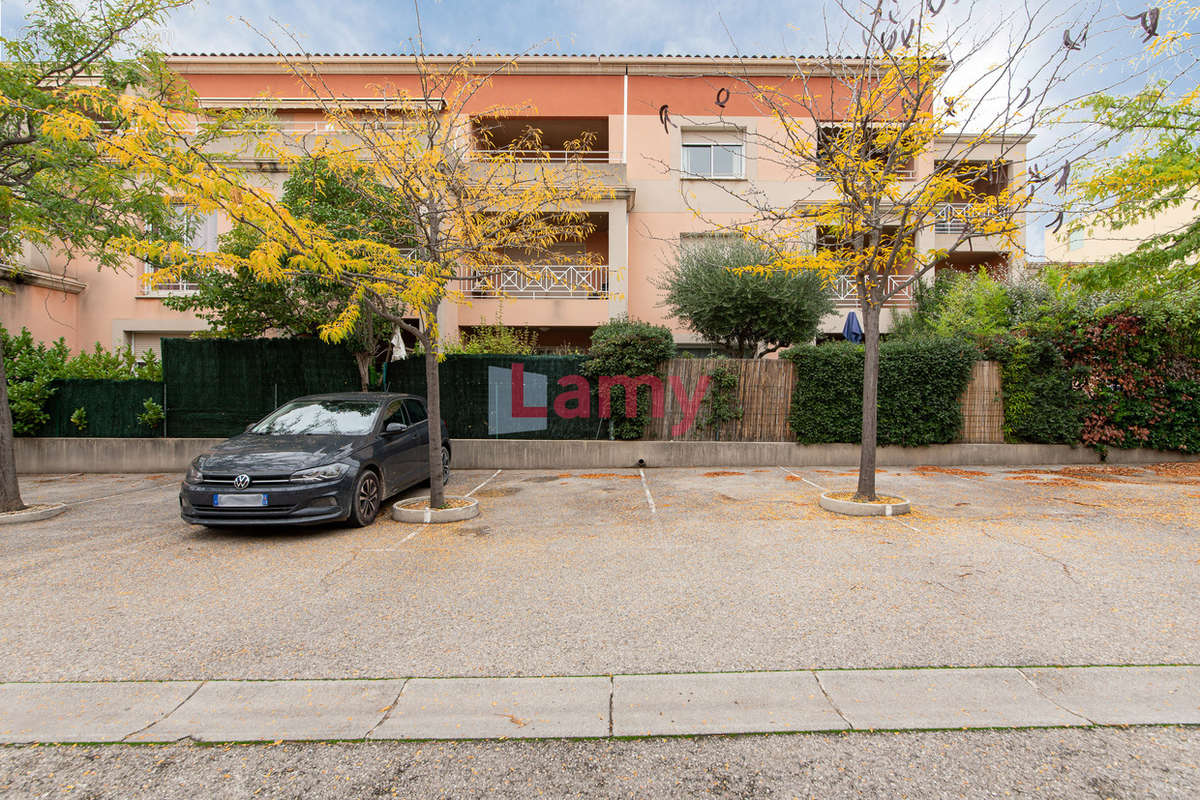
(258, 454)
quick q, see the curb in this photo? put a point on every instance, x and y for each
(13, 517)
(599, 706)
(401, 513)
(854, 509)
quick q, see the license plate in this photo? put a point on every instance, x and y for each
(239, 500)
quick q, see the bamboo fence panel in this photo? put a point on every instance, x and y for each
(983, 406)
(764, 395)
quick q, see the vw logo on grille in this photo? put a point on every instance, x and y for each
(241, 481)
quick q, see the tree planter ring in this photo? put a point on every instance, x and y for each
(404, 511)
(853, 508)
(33, 514)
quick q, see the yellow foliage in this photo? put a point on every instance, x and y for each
(464, 211)
(882, 195)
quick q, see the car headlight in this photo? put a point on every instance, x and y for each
(194, 475)
(325, 473)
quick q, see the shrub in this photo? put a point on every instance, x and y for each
(720, 404)
(746, 311)
(152, 414)
(921, 383)
(494, 339)
(1041, 403)
(626, 347)
(1142, 379)
(31, 366)
(971, 307)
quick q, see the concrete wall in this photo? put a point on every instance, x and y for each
(66, 455)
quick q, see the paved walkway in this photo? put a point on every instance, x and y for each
(599, 706)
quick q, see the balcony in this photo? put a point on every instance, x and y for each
(953, 220)
(845, 293)
(542, 281)
(545, 139)
(148, 287)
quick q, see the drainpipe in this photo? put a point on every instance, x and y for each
(625, 120)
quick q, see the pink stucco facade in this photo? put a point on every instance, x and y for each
(651, 211)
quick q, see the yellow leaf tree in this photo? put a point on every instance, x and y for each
(61, 82)
(903, 161)
(457, 205)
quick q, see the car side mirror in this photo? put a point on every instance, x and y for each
(395, 427)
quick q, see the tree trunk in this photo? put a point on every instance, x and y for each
(10, 491)
(870, 402)
(433, 401)
(363, 361)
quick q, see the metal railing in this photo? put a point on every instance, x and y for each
(904, 173)
(541, 281)
(553, 156)
(845, 291)
(313, 128)
(147, 287)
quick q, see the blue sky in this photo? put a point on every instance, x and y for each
(608, 26)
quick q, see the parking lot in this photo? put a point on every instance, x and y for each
(576, 572)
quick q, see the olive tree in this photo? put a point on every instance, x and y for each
(752, 313)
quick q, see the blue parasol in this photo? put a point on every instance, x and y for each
(852, 331)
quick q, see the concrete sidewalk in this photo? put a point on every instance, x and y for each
(599, 706)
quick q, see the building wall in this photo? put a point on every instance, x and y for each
(108, 309)
(1101, 243)
(653, 209)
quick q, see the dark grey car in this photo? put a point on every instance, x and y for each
(320, 458)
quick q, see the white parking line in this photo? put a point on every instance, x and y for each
(646, 489)
(806, 480)
(485, 483)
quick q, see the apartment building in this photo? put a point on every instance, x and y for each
(1101, 243)
(659, 171)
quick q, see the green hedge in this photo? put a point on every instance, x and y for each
(1119, 377)
(921, 383)
(111, 407)
(216, 387)
(1041, 403)
(466, 388)
(632, 348)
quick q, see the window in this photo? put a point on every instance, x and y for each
(199, 234)
(692, 242)
(855, 143)
(395, 413)
(344, 417)
(415, 409)
(713, 153)
(1075, 240)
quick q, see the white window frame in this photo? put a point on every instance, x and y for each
(204, 238)
(739, 156)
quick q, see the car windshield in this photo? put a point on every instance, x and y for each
(341, 417)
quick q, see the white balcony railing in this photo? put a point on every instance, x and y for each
(148, 287)
(542, 281)
(845, 293)
(952, 218)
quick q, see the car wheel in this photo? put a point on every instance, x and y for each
(364, 503)
(445, 465)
